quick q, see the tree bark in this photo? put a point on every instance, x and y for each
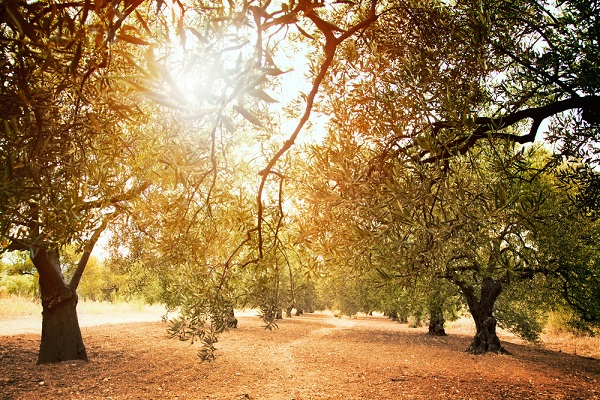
(485, 339)
(61, 334)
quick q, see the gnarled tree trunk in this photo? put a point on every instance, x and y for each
(486, 339)
(61, 335)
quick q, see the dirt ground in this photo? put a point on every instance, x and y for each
(314, 356)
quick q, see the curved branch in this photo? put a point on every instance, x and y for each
(492, 127)
(330, 48)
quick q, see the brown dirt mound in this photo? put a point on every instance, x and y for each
(314, 356)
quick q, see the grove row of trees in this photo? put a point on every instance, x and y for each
(103, 282)
(411, 156)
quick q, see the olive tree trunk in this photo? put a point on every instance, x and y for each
(485, 339)
(436, 322)
(435, 307)
(61, 335)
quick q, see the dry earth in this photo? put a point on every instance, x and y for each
(314, 356)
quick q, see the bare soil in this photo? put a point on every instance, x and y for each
(314, 356)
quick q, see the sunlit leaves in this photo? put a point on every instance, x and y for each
(64, 125)
(272, 71)
(262, 95)
(248, 115)
(132, 39)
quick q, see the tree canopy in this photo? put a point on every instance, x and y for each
(427, 135)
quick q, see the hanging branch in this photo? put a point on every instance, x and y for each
(332, 41)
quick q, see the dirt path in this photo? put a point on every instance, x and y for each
(33, 324)
(292, 367)
(308, 357)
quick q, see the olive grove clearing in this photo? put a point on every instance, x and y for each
(314, 356)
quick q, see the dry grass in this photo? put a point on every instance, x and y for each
(569, 343)
(554, 337)
(104, 307)
(559, 338)
(15, 306)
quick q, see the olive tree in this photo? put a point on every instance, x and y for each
(433, 106)
(70, 148)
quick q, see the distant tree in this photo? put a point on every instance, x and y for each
(567, 246)
(484, 224)
(18, 275)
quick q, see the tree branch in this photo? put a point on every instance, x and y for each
(87, 251)
(491, 127)
(330, 47)
(129, 195)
